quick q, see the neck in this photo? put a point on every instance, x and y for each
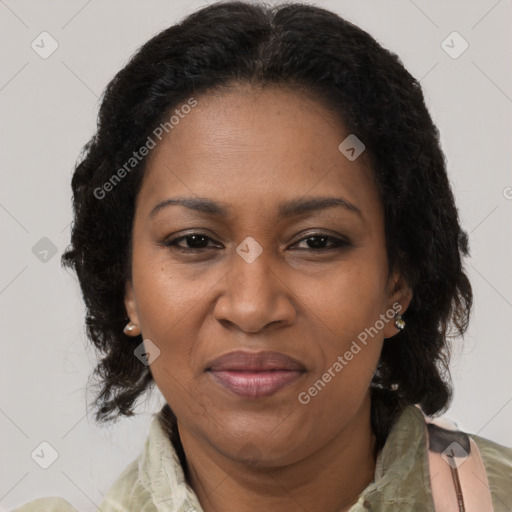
(329, 479)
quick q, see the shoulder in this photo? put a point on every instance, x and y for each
(494, 454)
(127, 493)
(491, 462)
(497, 460)
(47, 505)
(153, 477)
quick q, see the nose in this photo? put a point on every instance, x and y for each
(255, 296)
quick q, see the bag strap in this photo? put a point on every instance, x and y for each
(457, 473)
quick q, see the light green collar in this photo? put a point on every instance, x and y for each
(401, 476)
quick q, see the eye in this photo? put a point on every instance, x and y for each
(198, 242)
(317, 242)
(194, 242)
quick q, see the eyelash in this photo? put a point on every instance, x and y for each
(338, 243)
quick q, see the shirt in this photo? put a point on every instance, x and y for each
(155, 481)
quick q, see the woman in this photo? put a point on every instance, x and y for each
(264, 229)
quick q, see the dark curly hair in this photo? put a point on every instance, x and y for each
(310, 49)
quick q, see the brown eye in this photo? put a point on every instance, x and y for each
(320, 242)
(193, 242)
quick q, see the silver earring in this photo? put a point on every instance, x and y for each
(399, 321)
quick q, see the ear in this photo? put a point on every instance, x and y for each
(399, 297)
(131, 310)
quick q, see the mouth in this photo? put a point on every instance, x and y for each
(255, 375)
(255, 384)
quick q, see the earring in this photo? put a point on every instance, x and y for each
(128, 328)
(399, 321)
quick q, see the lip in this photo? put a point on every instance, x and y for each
(255, 385)
(255, 375)
(240, 360)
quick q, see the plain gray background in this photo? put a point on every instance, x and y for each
(48, 112)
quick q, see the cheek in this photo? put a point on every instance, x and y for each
(352, 297)
(349, 345)
(168, 301)
(166, 292)
(350, 309)
(168, 309)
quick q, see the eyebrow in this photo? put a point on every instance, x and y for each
(291, 208)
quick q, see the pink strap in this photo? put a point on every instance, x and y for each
(458, 479)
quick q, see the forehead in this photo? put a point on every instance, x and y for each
(243, 146)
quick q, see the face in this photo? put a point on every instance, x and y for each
(261, 264)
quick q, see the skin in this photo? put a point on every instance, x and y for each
(251, 149)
